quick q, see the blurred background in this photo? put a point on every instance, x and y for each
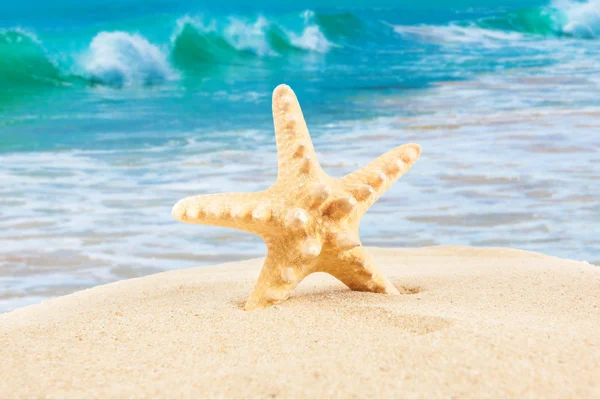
(111, 111)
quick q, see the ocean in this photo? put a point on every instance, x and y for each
(111, 111)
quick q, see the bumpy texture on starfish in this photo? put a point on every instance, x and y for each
(308, 219)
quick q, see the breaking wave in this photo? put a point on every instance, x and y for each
(198, 42)
(123, 58)
(580, 20)
(119, 58)
(24, 62)
(562, 18)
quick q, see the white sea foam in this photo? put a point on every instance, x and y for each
(454, 34)
(122, 59)
(252, 35)
(569, 17)
(582, 18)
(311, 39)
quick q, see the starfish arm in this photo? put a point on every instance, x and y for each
(370, 182)
(251, 212)
(280, 274)
(295, 152)
(356, 269)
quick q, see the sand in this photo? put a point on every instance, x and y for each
(484, 323)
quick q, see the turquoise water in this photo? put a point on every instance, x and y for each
(112, 111)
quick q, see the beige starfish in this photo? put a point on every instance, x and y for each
(308, 219)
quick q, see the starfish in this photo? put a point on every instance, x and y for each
(308, 220)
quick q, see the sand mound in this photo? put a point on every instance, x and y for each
(469, 323)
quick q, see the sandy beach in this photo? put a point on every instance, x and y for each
(283, 130)
(470, 323)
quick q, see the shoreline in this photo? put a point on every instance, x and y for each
(470, 322)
